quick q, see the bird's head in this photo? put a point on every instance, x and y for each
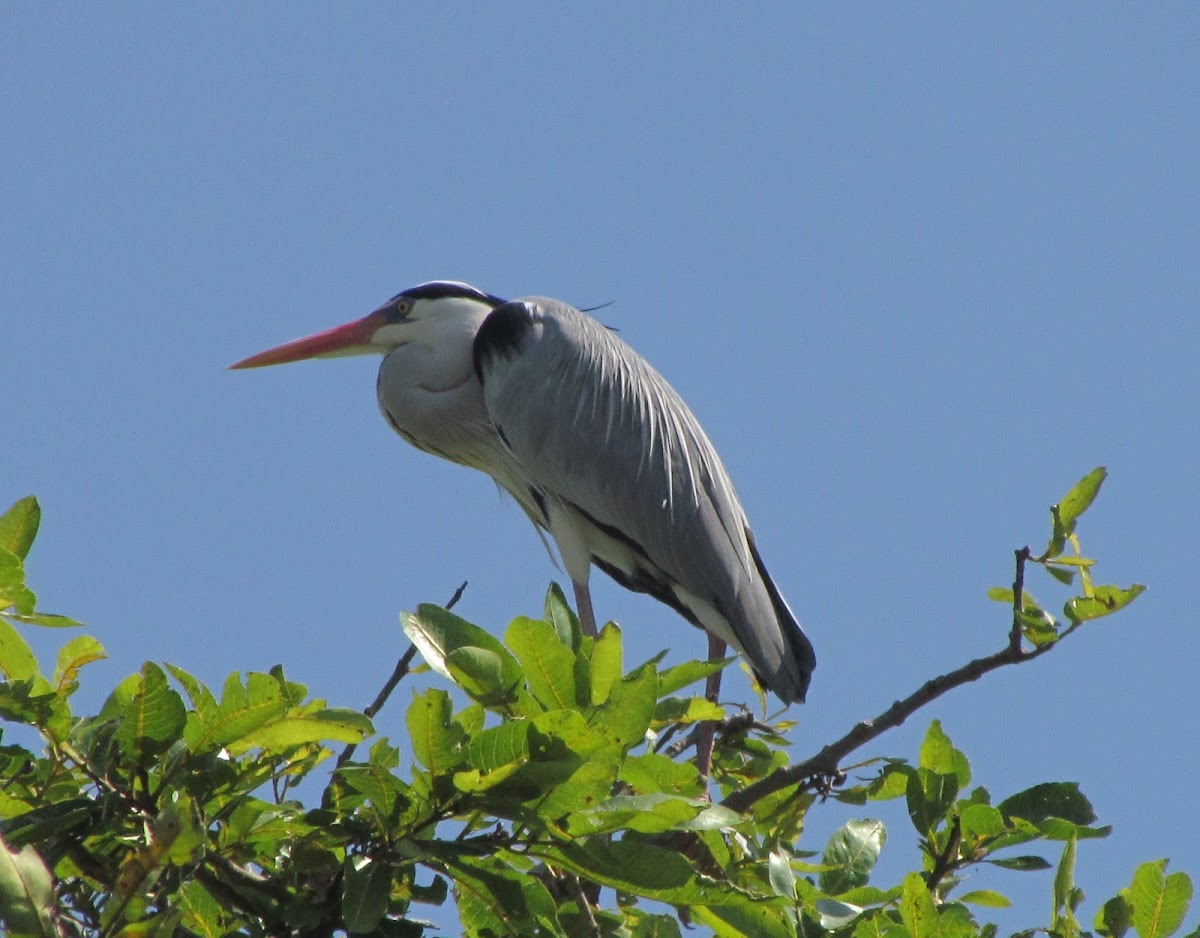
(420, 314)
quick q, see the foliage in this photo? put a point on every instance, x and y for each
(546, 789)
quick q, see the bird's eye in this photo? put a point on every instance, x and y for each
(404, 305)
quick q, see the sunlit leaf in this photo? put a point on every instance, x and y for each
(75, 654)
(939, 755)
(17, 661)
(19, 526)
(626, 716)
(500, 745)
(1159, 901)
(14, 594)
(437, 740)
(916, 907)
(780, 875)
(151, 713)
(647, 814)
(641, 868)
(338, 725)
(549, 665)
(1104, 601)
(986, 898)
(759, 919)
(851, 854)
(1079, 499)
(606, 664)
(458, 650)
(46, 620)
(562, 618)
(981, 820)
(652, 772)
(689, 672)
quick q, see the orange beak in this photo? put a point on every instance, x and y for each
(354, 338)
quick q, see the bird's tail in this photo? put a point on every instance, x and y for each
(790, 681)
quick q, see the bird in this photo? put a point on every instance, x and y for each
(594, 445)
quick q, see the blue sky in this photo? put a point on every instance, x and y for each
(915, 270)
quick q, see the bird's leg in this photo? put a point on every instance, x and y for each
(583, 603)
(708, 731)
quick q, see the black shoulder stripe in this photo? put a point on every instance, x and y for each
(501, 335)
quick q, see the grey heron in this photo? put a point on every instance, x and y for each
(594, 445)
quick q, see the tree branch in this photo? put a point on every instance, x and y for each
(825, 763)
(398, 674)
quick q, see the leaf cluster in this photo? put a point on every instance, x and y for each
(545, 787)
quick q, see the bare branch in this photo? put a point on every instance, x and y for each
(946, 859)
(398, 674)
(825, 763)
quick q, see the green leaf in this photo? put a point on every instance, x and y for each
(494, 899)
(851, 854)
(243, 709)
(780, 875)
(1104, 601)
(75, 654)
(549, 665)
(635, 866)
(69, 816)
(337, 724)
(26, 893)
(736, 921)
(562, 618)
(463, 652)
(606, 664)
(366, 888)
(930, 795)
(201, 697)
(647, 814)
(1064, 891)
(625, 718)
(17, 661)
(152, 715)
(981, 820)
(655, 926)
(939, 755)
(1049, 799)
(47, 620)
(437, 740)
(13, 592)
(687, 710)
(498, 746)
(1159, 901)
(652, 772)
(1115, 917)
(1023, 864)
(681, 675)
(986, 898)
(19, 526)
(892, 782)
(916, 907)
(1081, 496)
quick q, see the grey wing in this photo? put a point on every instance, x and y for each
(593, 424)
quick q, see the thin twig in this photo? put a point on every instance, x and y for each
(398, 674)
(1014, 635)
(825, 763)
(946, 859)
(585, 907)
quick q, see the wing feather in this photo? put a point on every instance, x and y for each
(593, 424)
